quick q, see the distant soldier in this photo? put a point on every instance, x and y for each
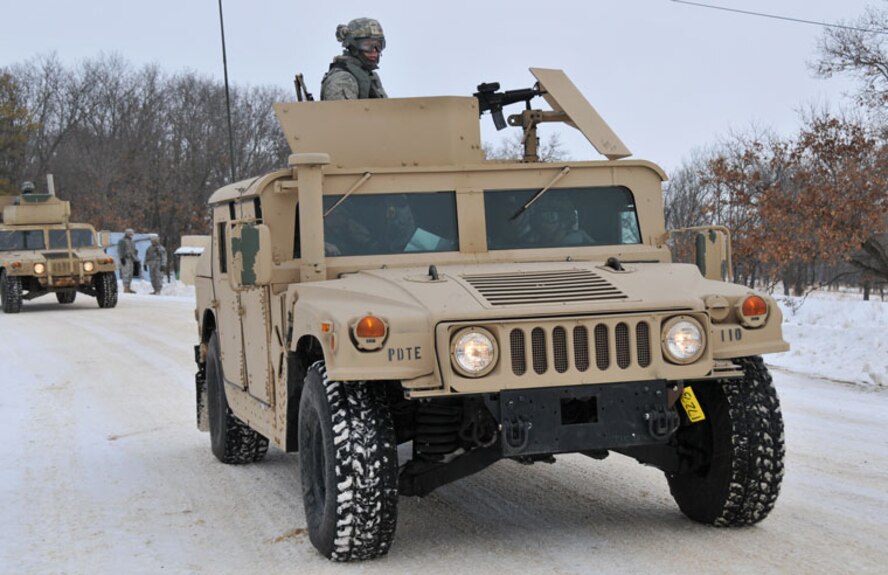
(155, 263)
(352, 76)
(27, 188)
(127, 255)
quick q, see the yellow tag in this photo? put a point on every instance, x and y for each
(691, 405)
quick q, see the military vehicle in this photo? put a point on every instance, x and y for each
(42, 252)
(393, 289)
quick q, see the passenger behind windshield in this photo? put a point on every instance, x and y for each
(390, 224)
(554, 223)
(563, 217)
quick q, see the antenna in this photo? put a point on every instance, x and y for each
(227, 99)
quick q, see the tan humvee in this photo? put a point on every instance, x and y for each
(42, 252)
(391, 287)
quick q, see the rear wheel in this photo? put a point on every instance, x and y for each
(10, 293)
(67, 296)
(106, 289)
(232, 440)
(348, 462)
(736, 453)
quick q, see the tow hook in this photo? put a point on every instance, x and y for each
(516, 433)
(662, 422)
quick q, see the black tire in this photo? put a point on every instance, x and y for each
(10, 293)
(67, 296)
(232, 440)
(350, 475)
(736, 452)
(106, 289)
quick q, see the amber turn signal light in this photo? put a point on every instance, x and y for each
(753, 306)
(752, 311)
(370, 326)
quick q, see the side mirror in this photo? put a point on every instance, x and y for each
(251, 261)
(104, 239)
(713, 254)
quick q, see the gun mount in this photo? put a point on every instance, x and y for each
(568, 106)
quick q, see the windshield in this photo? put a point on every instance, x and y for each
(561, 217)
(21, 240)
(391, 224)
(80, 238)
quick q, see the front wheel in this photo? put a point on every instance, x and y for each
(231, 440)
(735, 454)
(10, 293)
(106, 289)
(348, 462)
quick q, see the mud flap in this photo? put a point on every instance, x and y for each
(200, 385)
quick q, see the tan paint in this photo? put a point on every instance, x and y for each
(428, 145)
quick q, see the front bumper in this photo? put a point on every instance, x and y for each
(584, 418)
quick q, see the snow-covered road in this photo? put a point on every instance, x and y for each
(103, 471)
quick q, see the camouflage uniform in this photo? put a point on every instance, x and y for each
(155, 262)
(351, 76)
(127, 256)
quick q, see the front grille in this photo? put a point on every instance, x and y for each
(60, 267)
(558, 286)
(519, 363)
(538, 344)
(557, 346)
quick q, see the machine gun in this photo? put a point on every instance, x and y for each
(302, 92)
(490, 99)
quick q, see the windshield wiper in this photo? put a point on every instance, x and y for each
(564, 171)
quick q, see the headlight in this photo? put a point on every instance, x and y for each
(473, 351)
(683, 340)
(89, 266)
(39, 268)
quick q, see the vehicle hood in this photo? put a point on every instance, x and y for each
(521, 290)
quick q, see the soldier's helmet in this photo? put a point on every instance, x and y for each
(360, 35)
(129, 232)
(155, 240)
(27, 187)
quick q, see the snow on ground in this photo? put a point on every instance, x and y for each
(103, 470)
(835, 335)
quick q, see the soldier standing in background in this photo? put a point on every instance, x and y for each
(155, 263)
(351, 75)
(127, 255)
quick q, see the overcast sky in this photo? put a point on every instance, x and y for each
(669, 78)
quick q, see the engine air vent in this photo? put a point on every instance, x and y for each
(528, 288)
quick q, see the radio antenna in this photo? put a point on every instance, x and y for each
(227, 98)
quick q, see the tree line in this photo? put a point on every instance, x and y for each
(812, 209)
(127, 147)
(143, 148)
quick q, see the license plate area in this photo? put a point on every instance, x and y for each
(582, 418)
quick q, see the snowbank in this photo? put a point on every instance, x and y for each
(836, 336)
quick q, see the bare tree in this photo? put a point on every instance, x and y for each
(139, 148)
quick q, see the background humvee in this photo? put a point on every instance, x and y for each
(42, 252)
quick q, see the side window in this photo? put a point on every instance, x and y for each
(223, 246)
(257, 209)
